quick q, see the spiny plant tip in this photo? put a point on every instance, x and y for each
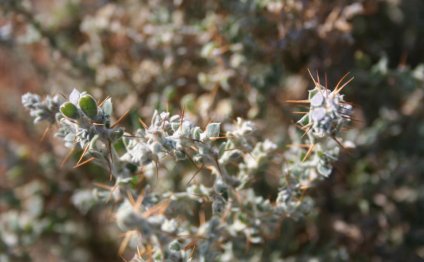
(328, 112)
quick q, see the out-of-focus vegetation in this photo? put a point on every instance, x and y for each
(218, 60)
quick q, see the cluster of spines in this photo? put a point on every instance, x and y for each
(322, 101)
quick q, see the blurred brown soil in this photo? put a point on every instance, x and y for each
(16, 78)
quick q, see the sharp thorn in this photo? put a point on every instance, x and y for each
(131, 199)
(83, 153)
(318, 80)
(336, 91)
(341, 80)
(195, 174)
(298, 101)
(311, 147)
(85, 162)
(68, 155)
(313, 79)
(298, 145)
(142, 123)
(45, 133)
(120, 119)
(103, 101)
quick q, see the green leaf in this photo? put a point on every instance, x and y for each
(88, 105)
(69, 110)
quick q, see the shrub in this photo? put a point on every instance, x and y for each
(222, 215)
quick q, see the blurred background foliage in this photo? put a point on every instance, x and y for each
(218, 60)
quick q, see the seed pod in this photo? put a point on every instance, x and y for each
(69, 110)
(88, 105)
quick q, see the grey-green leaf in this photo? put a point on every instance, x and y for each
(107, 106)
(212, 130)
